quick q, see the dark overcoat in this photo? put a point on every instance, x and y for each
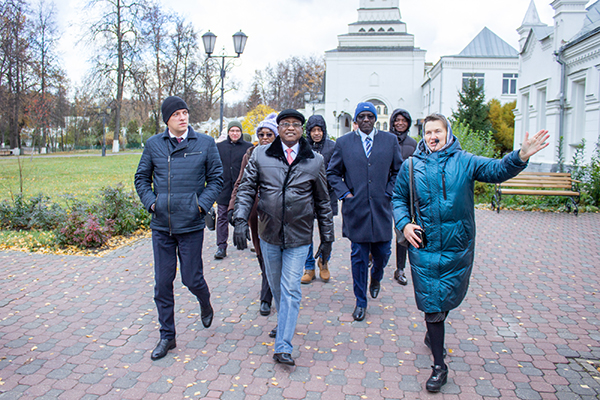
(231, 154)
(367, 217)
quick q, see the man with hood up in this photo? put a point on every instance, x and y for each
(316, 135)
(400, 123)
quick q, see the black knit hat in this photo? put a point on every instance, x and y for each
(291, 113)
(170, 105)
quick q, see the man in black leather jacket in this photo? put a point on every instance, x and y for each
(178, 178)
(292, 188)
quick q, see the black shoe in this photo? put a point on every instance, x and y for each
(207, 316)
(265, 308)
(374, 288)
(438, 378)
(220, 254)
(400, 277)
(273, 332)
(359, 313)
(163, 346)
(428, 343)
(284, 358)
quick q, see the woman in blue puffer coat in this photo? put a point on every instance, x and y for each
(444, 177)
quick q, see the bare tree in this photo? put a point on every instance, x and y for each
(48, 74)
(116, 36)
(15, 31)
(283, 85)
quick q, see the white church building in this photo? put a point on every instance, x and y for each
(559, 80)
(377, 61)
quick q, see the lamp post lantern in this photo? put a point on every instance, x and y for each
(209, 40)
(318, 99)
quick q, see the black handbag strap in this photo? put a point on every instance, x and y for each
(411, 189)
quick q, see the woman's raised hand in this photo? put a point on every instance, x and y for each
(534, 144)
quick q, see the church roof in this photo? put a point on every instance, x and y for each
(592, 19)
(532, 18)
(488, 44)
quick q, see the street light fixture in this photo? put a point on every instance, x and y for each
(104, 113)
(307, 98)
(209, 40)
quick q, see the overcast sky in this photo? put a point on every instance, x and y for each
(277, 29)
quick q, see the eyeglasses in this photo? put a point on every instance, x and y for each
(285, 125)
(365, 116)
(264, 134)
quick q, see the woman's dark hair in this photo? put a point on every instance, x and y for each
(435, 117)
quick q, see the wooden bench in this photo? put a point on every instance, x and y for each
(539, 184)
(5, 152)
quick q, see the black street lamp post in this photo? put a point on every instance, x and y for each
(239, 43)
(307, 98)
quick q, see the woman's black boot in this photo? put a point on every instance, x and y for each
(438, 378)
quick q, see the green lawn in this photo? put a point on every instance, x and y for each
(79, 176)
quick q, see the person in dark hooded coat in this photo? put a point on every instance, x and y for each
(316, 135)
(400, 123)
(444, 177)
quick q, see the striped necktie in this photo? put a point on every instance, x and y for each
(368, 146)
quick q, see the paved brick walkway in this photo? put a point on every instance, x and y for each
(83, 327)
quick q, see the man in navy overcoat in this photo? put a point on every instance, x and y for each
(362, 172)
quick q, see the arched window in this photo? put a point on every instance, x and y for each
(378, 109)
(385, 110)
(385, 126)
(377, 125)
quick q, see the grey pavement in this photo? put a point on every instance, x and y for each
(83, 327)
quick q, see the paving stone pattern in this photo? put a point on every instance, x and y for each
(83, 327)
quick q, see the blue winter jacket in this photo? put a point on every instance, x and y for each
(179, 179)
(444, 181)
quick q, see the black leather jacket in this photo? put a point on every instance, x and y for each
(179, 178)
(289, 196)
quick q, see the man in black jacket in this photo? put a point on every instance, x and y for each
(316, 135)
(178, 179)
(292, 186)
(400, 123)
(231, 151)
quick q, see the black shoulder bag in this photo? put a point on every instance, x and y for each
(400, 239)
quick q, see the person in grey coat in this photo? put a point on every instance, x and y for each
(178, 179)
(362, 172)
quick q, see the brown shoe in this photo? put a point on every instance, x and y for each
(323, 270)
(309, 275)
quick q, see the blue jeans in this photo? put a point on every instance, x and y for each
(360, 266)
(284, 269)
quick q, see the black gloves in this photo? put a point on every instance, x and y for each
(241, 234)
(230, 217)
(324, 251)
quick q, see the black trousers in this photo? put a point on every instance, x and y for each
(167, 249)
(400, 256)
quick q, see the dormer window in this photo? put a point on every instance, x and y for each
(381, 30)
(371, 30)
(391, 30)
(362, 30)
